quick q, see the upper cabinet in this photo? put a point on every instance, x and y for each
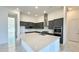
(31, 25)
(26, 24)
(55, 23)
(39, 25)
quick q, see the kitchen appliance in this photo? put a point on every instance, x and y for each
(58, 31)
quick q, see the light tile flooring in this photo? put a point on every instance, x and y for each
(63, 48)
(19, 48)
(4, 48)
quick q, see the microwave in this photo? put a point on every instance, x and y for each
(57, 30)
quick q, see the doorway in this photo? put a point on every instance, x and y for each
(11, 34)
(73, 30)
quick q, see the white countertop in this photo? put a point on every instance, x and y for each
(23, 30)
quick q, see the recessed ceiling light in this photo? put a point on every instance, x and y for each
(44, 11)
(36, 7)
(36, 15)
(28, 13)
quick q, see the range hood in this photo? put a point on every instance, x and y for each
(45, 21)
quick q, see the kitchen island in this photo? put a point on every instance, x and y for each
(36, 42)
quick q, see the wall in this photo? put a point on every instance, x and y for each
(55, 14)
(3, 25)
(28, 18)
(65, 24)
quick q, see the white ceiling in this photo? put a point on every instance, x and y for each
(33, 11)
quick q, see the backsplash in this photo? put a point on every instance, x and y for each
(23, 30)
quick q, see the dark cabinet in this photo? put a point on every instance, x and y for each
(51, 24)
(26, 24)
(31, 25)
(39, 25)
(58, 22)
(57, 26)
(55, 23)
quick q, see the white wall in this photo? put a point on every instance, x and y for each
(65, 25)
(28, 18)
(3, 25)
(18, 23)
(55, 14)
(51, 16)
(41, 19)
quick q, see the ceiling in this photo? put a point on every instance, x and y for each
(35, 12)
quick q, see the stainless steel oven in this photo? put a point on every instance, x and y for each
(58, 31)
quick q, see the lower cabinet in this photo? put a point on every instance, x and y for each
(51, 47)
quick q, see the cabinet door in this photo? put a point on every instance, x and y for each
(51, 24)
(58, 22)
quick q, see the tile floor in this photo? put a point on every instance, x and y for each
(19, 48)
(4, 48)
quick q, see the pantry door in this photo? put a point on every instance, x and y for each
(73, 30)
